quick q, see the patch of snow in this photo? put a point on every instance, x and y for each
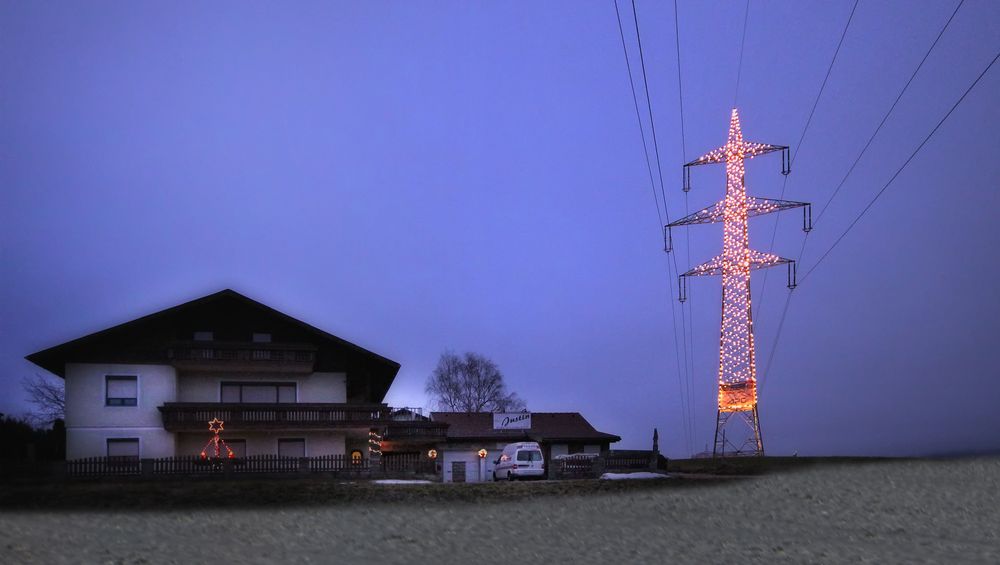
(400, 482)
(627, 476)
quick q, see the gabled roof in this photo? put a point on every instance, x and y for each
(545, 426)
(146, 339)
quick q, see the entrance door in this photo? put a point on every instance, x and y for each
(458, 471)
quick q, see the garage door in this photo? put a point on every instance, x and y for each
(460, 466)
(458, 471)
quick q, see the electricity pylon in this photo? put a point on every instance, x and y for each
(737, 363)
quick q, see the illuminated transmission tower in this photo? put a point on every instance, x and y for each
(737, 425)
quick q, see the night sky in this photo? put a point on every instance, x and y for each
(416, 177)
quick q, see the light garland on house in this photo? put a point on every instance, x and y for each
(216, 444)
(374, 443)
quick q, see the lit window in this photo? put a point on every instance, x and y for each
(121, 390)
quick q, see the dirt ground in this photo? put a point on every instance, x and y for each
(886, 512)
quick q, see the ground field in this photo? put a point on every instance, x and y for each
(898, 512)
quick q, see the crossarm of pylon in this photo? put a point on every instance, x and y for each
(709, 268)
(761, 260)
(760, 206)
(711, 215)
(757, 260)
(746, 150)
(755, 207)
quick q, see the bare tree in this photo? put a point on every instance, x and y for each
(470, 383)
(49, 399)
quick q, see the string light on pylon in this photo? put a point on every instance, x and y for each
(737, 377)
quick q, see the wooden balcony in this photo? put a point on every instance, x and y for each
(415, 432)
(194, 416)
(243, 356)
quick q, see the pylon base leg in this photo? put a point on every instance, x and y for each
(737, 434)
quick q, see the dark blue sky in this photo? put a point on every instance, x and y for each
(416, 177)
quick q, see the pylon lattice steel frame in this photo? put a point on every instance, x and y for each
(737, 363)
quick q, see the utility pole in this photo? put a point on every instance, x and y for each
(737, 425)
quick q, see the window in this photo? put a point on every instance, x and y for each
(261, 337)
(292, 447)
(123, 448)
(239, 447)
(267, 393)
(533, 455)
(121, 390)
(204, 336)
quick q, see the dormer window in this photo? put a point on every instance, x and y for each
(261, 337)
(204, 336)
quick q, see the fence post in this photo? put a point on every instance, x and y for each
(146, 468)
(598, 467)
(304, 465)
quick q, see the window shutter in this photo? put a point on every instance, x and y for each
(122, 387)
(123, 448)
(292, 447)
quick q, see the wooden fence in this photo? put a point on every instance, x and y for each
(589, 466)
(407, 463)
(99, 467)
(104, 467)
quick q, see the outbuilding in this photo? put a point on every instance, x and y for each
(475, 440)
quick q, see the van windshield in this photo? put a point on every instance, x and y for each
(529, 455)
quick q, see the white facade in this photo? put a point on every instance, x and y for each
(266, 443)
(476, 469)
(92, 419)
(315, 387)
(90, 422)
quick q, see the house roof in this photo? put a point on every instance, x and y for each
(147, 338)
(545, 426)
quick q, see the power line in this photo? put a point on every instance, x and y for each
(638, 117)
(649, 108)
(798, 146)
(900, 169)
(673, 317)
(887, 114)
(805, 240)
(739, 68)
(689, 329)
(672, 260)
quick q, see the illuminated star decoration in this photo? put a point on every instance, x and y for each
(216, 443)
(215, 425)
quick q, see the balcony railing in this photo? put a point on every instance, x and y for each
(249, 355)
(194, 416)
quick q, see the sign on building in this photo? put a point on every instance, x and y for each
(515, 421)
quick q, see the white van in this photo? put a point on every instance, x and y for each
(520, 461)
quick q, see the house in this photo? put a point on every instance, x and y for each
(148, 388)
(476, 439)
